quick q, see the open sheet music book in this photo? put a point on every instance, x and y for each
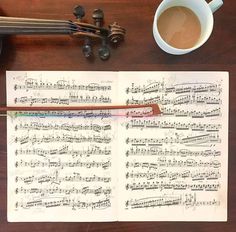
(171, 167)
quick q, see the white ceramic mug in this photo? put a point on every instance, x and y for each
(204, 12)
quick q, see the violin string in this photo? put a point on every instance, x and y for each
(39, 27)
(6, 23)
(7, 31)
(12, 28)
(11, 25)
(15, 19)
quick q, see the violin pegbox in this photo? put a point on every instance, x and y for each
(113, 34)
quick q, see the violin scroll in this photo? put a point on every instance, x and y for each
(116, 33)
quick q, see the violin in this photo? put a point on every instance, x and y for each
(114, 34)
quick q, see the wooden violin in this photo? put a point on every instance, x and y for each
(27, 26)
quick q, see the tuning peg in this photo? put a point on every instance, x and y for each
(87, 48)
(79, 12)
(104, 51)
(98, 17)
(0, 45)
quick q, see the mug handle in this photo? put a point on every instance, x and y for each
(215, 5)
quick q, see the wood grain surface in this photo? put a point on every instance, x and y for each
(137, 52)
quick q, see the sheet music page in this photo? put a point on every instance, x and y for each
(174, 167)
(63, 167)
(171, 167)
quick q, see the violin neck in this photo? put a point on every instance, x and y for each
(21, 26)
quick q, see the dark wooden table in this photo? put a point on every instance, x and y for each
(138, 52)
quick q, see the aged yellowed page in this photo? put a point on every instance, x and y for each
(174, 167)
(61, 167)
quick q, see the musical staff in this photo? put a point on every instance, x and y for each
(187, 201)
(63, 127)
(209, 174)
(61, 165)
(140, 124)
(66, 191)
(201, 113)
(63, 101)
(35, 84)
(156, 151)
(64, 202)
(160, 86)
(173, 186)
(180, 100)
(65, 150)
(163, 162)
(102, 114)
(187, 141)
(67, 138)
(74, 177)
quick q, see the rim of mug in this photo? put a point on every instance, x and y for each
(183, 49)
